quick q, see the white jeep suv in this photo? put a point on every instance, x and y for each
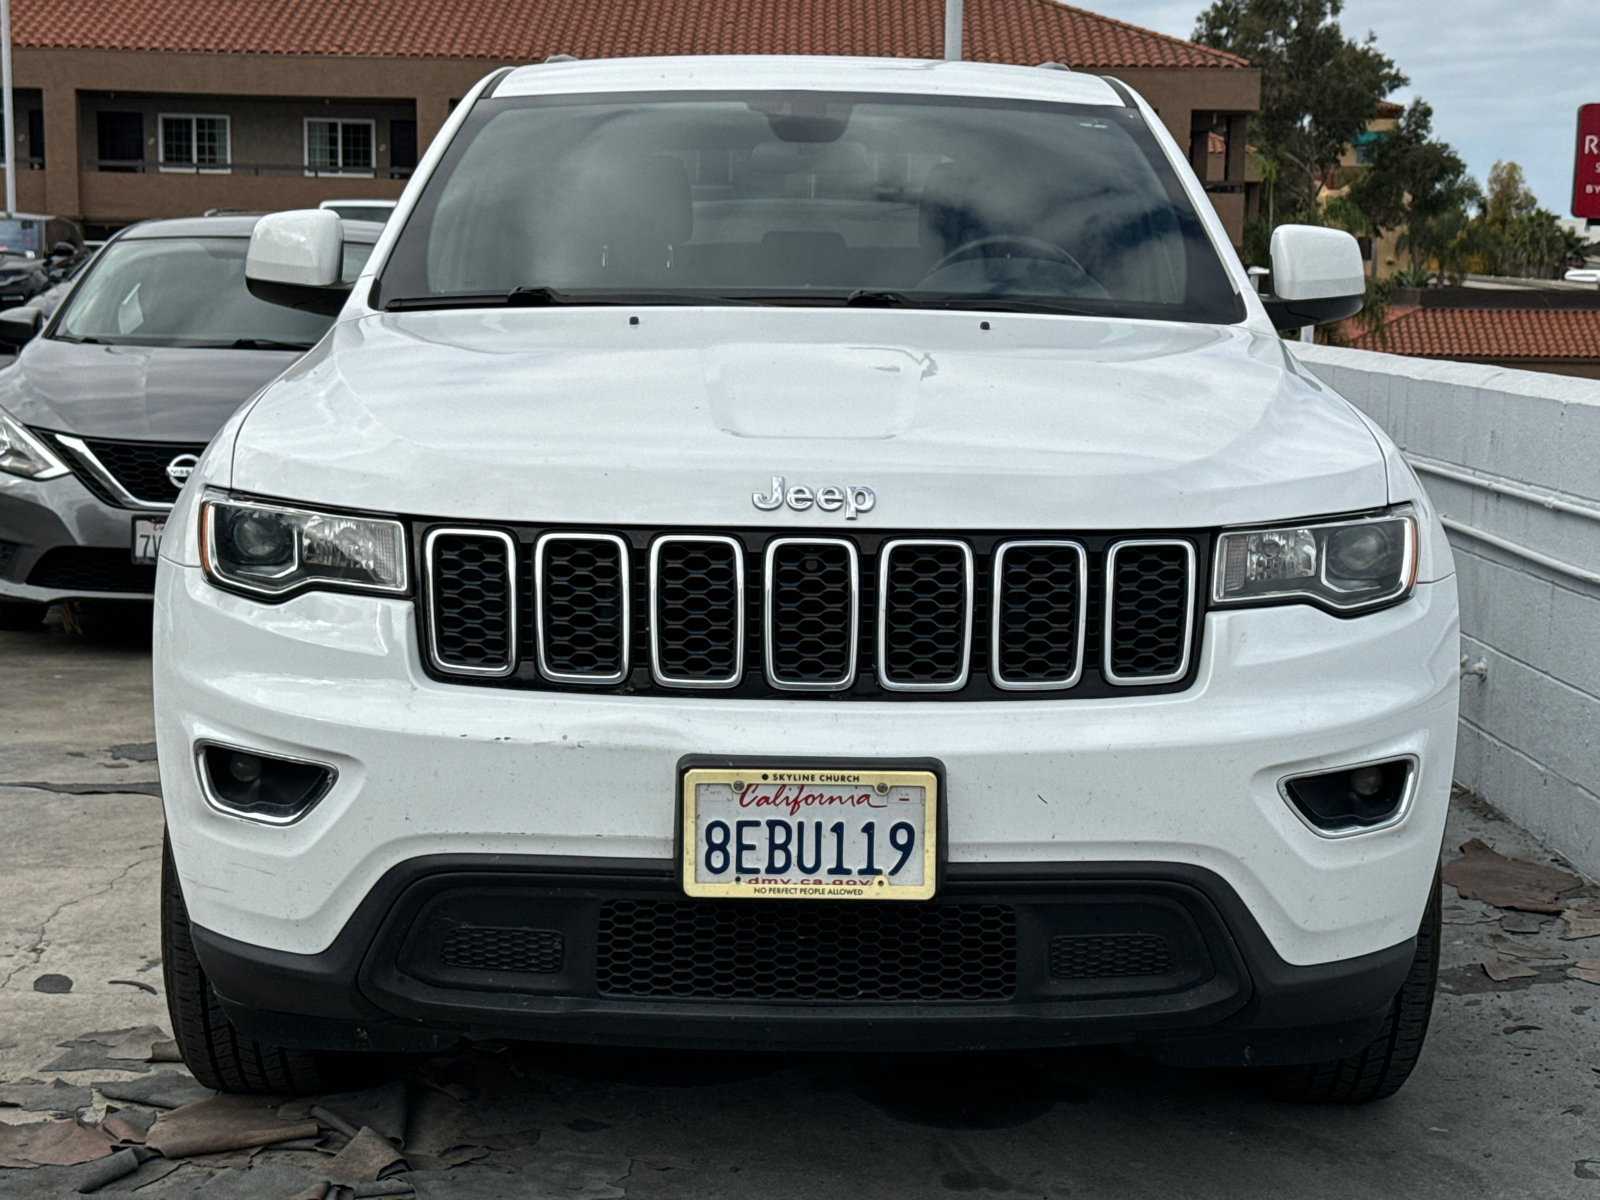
(804, 552)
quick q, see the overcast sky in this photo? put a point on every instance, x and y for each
(1505, 77)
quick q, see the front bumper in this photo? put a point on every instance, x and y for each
(1063, 959)
(427, 768)
(61, 514)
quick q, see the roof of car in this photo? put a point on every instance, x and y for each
(825, 73)
(234, 226)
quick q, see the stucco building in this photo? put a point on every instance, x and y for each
(128, 109)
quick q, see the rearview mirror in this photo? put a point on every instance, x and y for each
(295, 258)
(18, 325)
(1317, 276)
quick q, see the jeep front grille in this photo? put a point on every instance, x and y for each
(756, 614)
(580, 583)
(1149, 592)
(697, 611)
(473, 601)
(813, 614)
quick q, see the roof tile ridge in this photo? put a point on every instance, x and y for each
(1231, 59)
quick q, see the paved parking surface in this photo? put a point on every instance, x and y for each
(1504, 1104)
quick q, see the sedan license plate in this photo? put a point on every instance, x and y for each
(815, 834)
(147, 539)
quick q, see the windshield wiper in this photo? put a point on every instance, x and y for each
(257, 344)
(78, 339)
(542, 297)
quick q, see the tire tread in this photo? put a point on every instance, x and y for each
(1381, 1068)
(212, 1047)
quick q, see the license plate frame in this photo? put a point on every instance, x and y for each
(927, 773)
(147, 535)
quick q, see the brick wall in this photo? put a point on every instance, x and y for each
(1512, 461)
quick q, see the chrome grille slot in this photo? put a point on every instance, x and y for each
(924, 615)
(472, 601)
(1150, 593)
(1038, 619)
(812, 614)
(696, 611)
(581, 607)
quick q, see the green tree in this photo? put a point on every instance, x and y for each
(1318, 87)
(1512, 235)
(1418, 184)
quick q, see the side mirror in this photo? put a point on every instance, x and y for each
(18, 325)
(295, 260)
(63, 250)
(1317, 276)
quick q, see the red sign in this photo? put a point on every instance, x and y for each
(1586, 176)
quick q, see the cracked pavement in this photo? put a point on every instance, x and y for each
(1505, 1103)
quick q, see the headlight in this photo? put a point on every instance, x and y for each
(23, 454)
(1346, 566)
(273, 550)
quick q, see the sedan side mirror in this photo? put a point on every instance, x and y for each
(1317, 276)
(295, 260)
(63, 250)
(18, 325)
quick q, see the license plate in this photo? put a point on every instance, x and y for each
(147, 539)
(816, 834)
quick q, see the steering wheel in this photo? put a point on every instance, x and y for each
(1037, 248)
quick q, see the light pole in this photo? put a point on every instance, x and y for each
(952, 30)
(10, 131)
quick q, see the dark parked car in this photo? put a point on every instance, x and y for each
(37, 253)
(106, 410)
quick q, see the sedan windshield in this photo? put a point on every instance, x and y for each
(181, 291)
(898, 201)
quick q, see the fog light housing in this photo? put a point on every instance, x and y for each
(1353, 799)
(261, 787)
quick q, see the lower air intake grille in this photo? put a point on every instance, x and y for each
(1151, 594)
(582, 586)
(471, 576)
(698, 617)
(88, 569)
(493, 948)
(807, 950)
(1109, 956)
(811, 614)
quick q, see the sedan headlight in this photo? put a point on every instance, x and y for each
(21, 453)
(1346, 566)
(273, 550)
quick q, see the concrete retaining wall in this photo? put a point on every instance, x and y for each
(1512, 461)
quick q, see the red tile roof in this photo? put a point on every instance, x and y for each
(1498, 333)
(1014, 31)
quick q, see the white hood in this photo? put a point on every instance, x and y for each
(577, 416)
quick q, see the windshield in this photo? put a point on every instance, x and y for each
(186, 291)
(18, 237)
(809, 197)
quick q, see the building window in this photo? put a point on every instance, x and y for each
(36, 139)
(120, 140)
(194, 143)
(339, 147)
(402, 146)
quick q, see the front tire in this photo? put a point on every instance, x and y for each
(219, 1055)
(1380, 1069)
